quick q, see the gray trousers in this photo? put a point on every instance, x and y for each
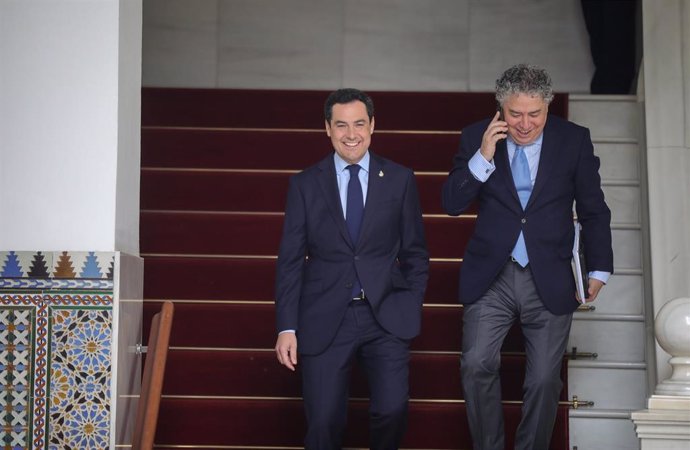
(512, 297)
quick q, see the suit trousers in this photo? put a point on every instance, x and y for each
(486, 322)
(326, 379)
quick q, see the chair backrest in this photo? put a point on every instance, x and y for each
(152, 381)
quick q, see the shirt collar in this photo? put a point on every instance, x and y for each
(529, 148)
(341, 164)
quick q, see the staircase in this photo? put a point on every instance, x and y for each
(215, 168)
(612, 337)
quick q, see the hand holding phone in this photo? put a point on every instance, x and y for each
(496, 131)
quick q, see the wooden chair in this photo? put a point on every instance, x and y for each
(152, 381)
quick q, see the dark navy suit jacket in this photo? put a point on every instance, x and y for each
(568, 171)
(317, 260)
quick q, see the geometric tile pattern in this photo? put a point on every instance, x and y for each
(61, 342)
(57, 265)
(45, 284)
(79, 411)
(15, 376)
(55, 349)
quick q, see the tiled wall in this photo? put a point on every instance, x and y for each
(56, 327)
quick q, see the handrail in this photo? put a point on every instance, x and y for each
(152, 381)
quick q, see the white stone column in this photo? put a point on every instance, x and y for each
(666, 25)
(666, 35)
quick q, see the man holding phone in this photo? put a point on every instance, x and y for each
(525, 168)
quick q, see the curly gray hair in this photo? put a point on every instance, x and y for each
(524, 79)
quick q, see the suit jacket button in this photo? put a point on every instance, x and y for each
(356, 258)
(523, 220)
(348, 285)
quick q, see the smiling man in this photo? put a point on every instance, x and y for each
(525, 169)
(350, 279)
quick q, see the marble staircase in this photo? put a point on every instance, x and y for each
(610, 340)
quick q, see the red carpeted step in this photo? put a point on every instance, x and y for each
(210, 233)
(208, 278)
(446, 236)
(205, 190)
(252, 325)
(279, 422)
(214, 190)
(230, 278)
(257, 373)
(259, 233)
(285, 149)
(247, 108)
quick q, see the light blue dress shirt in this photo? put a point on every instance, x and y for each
(482, 169)
(343, 177)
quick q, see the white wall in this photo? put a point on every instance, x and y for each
(128, 127)
(62, 95)
(413, 45)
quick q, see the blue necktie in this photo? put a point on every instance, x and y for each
(354, 213)
(523, 184)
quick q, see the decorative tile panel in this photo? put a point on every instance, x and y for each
(16, 327)
(79, 412)
(56, 270)
(55, 347)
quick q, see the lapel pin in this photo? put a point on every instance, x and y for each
(380, 173)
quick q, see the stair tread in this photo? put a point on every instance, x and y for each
(236, 149)
(252, 326)
(430, 425)
(198, 233)
(232, 278)
(228, 191)
(256, 373)
(252, 108)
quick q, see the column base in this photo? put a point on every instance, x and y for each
(665, 425)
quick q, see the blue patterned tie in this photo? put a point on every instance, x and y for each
(354, 213)
(523, 184)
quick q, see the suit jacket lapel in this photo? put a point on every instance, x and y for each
(503, 169)
(547, 157)
(329, 187)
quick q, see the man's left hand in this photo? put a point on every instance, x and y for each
(593, 288)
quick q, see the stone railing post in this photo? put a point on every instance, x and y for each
(665, 425)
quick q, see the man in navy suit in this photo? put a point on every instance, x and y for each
(351, 275)
(524, 169)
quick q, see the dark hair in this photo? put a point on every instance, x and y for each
(524, 79)
(343, 96)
